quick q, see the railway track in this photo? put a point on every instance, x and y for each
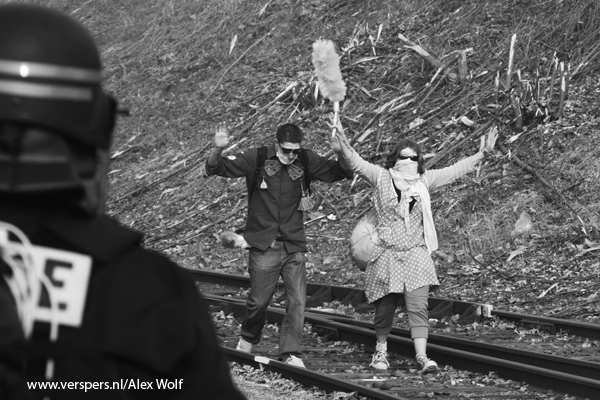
(318, 294)
(338, 349)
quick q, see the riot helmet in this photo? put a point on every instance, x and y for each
(54, 114)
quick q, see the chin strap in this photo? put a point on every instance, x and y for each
(25, 283)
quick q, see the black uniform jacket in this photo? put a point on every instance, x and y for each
(144, 322)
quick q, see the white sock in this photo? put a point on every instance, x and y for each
(381, 347)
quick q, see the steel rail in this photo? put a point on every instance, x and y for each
(318, 293)
(556, 363)
(305, 376)
(583, 329)
(538, 377)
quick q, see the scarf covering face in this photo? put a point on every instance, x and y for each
(410, 183)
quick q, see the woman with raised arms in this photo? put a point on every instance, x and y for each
(401, 261)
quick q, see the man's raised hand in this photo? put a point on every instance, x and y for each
(221, 136)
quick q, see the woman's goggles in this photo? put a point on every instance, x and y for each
(412, 158)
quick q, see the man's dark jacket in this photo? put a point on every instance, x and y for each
(273, 210)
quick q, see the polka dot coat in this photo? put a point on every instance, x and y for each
(400, 260)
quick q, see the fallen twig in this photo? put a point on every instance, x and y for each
(337, 214)
(420, 51)
(488, 267)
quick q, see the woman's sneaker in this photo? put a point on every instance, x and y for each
(426, 365)
(380, 360)
(295, 361)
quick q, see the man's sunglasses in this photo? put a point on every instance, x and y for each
(412, 158)
(289, 151)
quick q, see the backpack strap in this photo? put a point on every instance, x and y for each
(303, 158)
(261, 156)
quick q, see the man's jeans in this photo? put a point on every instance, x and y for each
(265, 269)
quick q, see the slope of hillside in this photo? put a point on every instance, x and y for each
(181, 67)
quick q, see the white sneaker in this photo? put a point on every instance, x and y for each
(244, 346)
(426, 365)
(380, 360)
(295, 361)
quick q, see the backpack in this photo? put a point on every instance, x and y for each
(261, 156)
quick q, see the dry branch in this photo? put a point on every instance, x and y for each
(564, 87)
(446, 72)
(439, 156)
(516, 105)
(162, 179)
(420, 51)
(552, 78)
(511, 59)
(587, 59)
(463, 68)
(488, 267)
(544, 182)
(200, 230)
(231, 66)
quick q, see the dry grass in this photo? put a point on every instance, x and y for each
(259, 384)
(173, 65)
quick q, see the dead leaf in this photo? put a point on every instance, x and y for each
(515, 253)
(342, 395)
(416, 122)
(513, 138)
(523, 224)
(466, 121)
(594, 301)
(233, 42)
(329, 260)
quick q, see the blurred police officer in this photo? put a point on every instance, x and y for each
(82, 304)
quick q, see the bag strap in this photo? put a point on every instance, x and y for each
(261, 156)
(303, 158)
